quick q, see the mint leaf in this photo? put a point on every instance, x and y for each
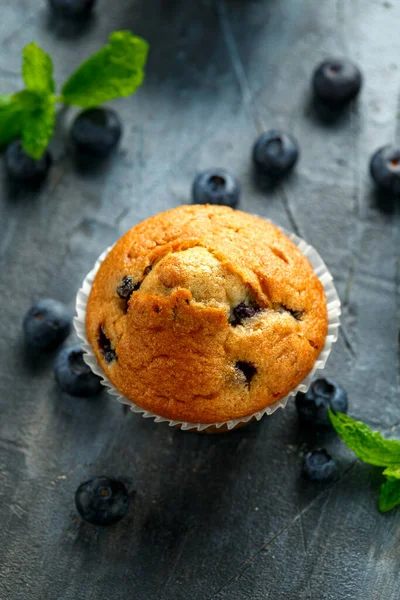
(28, 101)
(37, 70)
(389, 496)
(116, 70)
(5, 100)
(38, 127)
(34, 121)
(392, 473)
(369, 445)
(11, 114)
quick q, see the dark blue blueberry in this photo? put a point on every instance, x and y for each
(319, 466)
(243, 311)
(336, 81)
(385, 168)
(73, 375)
(106, 347)
(20, 167)
(47, 324)
(312, 407)
(216, 186)
(72, 8)
(127, 286)
(275, 153)
(96, 132)
(246, 371)
(102, 501)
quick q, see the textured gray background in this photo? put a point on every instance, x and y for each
(219, 517)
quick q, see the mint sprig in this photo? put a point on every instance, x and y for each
(116, 70)
(371, 447)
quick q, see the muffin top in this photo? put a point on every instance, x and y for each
(206, 314)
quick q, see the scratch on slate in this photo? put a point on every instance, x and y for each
(397, 282)
(237, 64)
(305, 554)
(349, 282)
(289, 213)
(175, 564)
(14, 445)
(346, 339)
(17, 510)
(321, 515)
(357, 172)
(355, 238)
(285, 528)
(121, 216)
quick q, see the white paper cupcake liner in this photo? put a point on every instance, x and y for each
(334, 311)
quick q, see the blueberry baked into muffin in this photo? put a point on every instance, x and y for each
(206, 314)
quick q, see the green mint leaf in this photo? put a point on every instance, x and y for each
(11, 115)
(38, 127)
(389, 496)
(37, 70)
(369, 445)
(116, 70)
(5, 100)
(392, 473)
(28, 101)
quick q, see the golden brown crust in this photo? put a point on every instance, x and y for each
(178, 350)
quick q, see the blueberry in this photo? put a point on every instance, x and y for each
(246, 371)
(336, 81)
(72, 8)
(102, 501)
(96, 132)
(275, 153)
(243, 311)
(73, 375)
(106, 347)
(216, 186)
(47, 324)
(126, 288)
(312, 407)
(319, 466)
(21, 168)
(385, 168)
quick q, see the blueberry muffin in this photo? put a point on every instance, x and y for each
(206, 314)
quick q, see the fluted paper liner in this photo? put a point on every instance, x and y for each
(334, 311)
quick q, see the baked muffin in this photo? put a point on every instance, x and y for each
(206, 314)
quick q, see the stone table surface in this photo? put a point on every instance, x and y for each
(213, 517)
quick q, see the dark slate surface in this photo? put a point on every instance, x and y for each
(213, 517)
